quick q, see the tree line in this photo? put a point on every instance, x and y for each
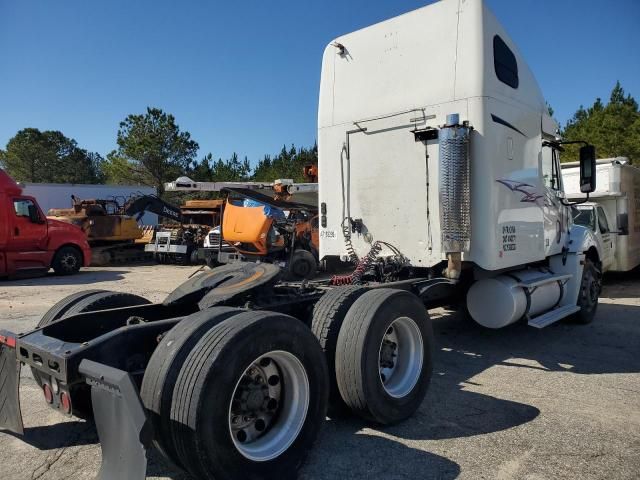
(152, 150)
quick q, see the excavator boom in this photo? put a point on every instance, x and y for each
(137, 206)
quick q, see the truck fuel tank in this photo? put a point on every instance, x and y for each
(500, 301)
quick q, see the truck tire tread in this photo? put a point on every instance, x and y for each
(164, 366)
(61, 307)
(328, 315)
(107, 300)
(357, 350)
(222, 351)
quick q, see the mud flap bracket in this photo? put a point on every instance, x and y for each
(122, 424)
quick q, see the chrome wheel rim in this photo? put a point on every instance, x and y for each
(400, 357)
(269, 406)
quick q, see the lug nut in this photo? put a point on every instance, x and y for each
(265, 362)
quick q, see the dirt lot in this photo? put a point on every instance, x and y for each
(562, 402)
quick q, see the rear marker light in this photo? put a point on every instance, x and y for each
(8, 341)
(48, 394)
(65, 401)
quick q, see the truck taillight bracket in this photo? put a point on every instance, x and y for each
(425, 134)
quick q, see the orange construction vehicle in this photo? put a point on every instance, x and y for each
(262, 222)
(263, 228)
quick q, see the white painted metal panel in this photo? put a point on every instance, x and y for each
(411, 71)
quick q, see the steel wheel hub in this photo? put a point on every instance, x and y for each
(68, 261)
(269, 406)
(400, 357)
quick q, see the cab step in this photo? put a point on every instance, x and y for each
(553, 316)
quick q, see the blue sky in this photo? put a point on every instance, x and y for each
(244, 76)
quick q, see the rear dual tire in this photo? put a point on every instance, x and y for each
(164, 367)
(249, 396)
(328, 315)
(379, 347)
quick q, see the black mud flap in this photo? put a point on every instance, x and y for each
(122, 424)
(10, 414)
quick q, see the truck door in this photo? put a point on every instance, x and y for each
(26, 234)
(607, 240)
(556, 215)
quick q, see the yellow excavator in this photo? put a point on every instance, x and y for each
(113, 235)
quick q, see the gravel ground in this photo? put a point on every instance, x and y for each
(562, 402)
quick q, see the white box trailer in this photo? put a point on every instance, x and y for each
(618, 196)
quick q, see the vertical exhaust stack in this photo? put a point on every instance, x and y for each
(455, 197)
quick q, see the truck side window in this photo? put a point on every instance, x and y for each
(21, 207)
(504, 63)
(602, 221)
(557, 171)
(551, 168)
(584, 217)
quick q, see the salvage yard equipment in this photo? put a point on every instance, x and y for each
(31, 242)
(114, 236)
(275, 222)
(432, 182)
(179, 239)
(262, 228)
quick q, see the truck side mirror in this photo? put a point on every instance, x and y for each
(34, 215)
(587, 169)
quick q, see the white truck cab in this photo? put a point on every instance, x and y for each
(593, 216)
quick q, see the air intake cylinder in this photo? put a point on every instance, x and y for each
(455, 216)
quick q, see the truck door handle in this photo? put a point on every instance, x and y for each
(16, 231)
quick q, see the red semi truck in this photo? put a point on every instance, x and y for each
(30, 242)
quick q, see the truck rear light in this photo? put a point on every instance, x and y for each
(65, 401)
(48, 394)
(8, 340)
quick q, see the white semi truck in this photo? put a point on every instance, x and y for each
(614, 213)
(434, 137)
(439, 178)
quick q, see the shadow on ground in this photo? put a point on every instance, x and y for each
(82, 277)
(60, 435)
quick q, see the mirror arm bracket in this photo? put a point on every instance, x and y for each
(571, 204)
